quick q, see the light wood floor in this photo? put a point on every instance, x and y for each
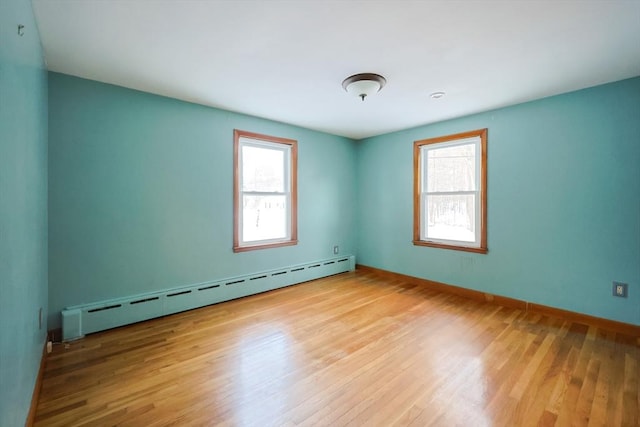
(352, 349)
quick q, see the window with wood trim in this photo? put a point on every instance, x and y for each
(265, 191)
(450, 192)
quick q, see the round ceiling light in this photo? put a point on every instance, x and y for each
(364, 84)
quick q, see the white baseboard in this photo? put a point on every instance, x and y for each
(87, 318)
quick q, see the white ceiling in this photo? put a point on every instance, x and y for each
(285, 60)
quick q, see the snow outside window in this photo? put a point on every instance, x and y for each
(450, 194)
(264, 192)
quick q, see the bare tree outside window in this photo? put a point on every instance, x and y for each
(450, 191)
(265, 194)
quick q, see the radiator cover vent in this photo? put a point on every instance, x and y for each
(87, 318)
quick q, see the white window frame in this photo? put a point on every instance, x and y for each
(421, 195)
(289, 149)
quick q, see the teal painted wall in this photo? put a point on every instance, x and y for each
(563, 203)
(23, 209)
(140, 195)
(140, 198)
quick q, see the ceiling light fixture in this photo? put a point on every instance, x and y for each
(364, 84)
(437, 95)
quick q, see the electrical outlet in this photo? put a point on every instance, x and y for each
(336, 250)
(620, 289)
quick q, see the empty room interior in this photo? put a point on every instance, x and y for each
(278, 213)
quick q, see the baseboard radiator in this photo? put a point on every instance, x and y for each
(87, 318)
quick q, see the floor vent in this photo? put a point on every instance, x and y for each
(175, 294)
(88, 318)
(140, 301)
(109, 307)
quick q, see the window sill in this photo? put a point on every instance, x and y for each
(451, 247)
(264, 246)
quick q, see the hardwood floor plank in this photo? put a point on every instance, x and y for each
(353, 349)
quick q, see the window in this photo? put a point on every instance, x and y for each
(450, 192)
(265, 196)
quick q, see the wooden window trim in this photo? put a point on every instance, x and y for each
(417, 184)
(293, 240)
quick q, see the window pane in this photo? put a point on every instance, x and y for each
(264, 218)
(451, 217)
(451, 168)
(263, 169)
